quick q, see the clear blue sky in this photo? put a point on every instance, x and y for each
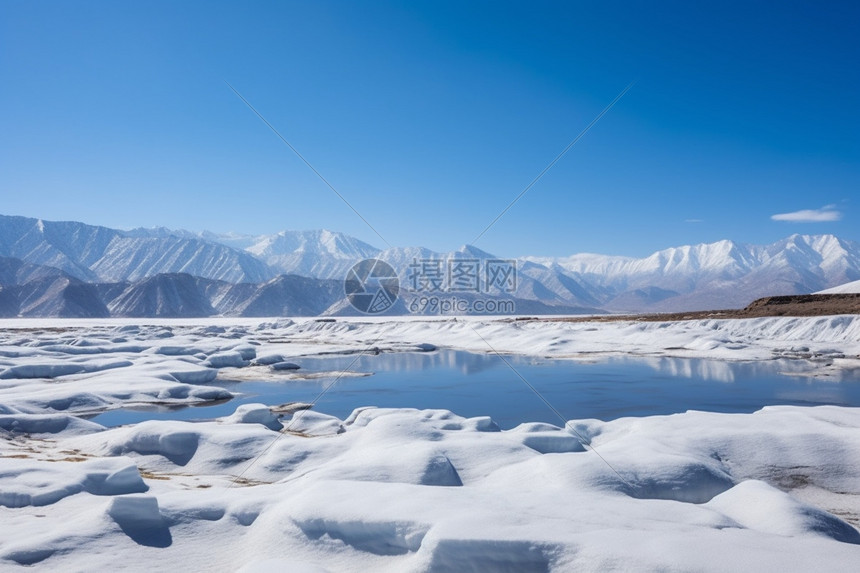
(430, 117)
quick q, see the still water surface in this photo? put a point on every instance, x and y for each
(481, 384)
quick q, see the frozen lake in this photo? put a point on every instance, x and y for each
(473, 384)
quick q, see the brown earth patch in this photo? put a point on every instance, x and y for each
(792, 305)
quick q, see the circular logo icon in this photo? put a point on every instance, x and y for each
(371, 286)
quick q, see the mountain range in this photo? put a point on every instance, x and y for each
(52, 268)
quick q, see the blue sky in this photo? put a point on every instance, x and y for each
(430, 117)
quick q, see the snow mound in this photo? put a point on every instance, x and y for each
(227, 360)
(313, 423)
(50, 370)
(47, 424)
(548, 439)
(268, 359)
(378, 538)
(176, 441)
(476, 554)
(175, 350)
(191, 375)
(404, 489)
(139, 517)
(756, 505)
(24, 483)
(254, 414)
(419, 464)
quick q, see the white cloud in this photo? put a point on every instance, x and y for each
(694, 220)
(825, 214)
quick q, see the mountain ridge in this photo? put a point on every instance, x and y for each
(92, 253)
(721, 274)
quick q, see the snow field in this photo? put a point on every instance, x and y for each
(413, 490)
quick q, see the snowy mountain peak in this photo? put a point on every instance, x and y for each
(722, 274)
(816, 242)
(318, 241)
(318, 253)
(474, 252)
(99, 254)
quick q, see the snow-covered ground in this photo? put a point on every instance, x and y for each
(410, 490)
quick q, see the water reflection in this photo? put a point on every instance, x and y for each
(463, 362)
(721, 371)
(473, 384)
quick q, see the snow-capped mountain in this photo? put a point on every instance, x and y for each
(238, 274)
(316, 254)
(182, 295)
(724, 274)
(92, 253)
(169, 295)
(547, 285)
(59, 296)
(14, 272)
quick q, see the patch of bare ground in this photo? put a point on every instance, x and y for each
(791, 305)
(147, 474)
